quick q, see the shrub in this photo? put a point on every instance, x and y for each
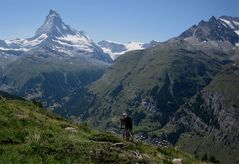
(164, 151)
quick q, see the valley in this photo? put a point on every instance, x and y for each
(182, 91)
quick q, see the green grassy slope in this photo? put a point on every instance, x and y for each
(152, 84)
(29, 134)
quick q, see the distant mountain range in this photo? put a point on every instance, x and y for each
(58, 36)
(54, 34)
(183, 90)
(115, 49)
(52, 64)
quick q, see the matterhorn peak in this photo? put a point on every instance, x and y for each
(53, 12)
(54, 26)
(55, 35)
(53, 18)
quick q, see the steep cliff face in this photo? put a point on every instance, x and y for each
(208, 112)
(210, 119)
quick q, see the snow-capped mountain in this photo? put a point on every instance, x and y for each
(115, 49)
(52, 64)
(62, 37)
(58, 36)
(232, 22)
(223, 29)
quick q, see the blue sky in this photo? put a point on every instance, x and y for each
(117, 20)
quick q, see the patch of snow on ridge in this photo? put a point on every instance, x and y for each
(14, 49)
(134, 46)
(75, 39)
(36, 41)
(237, 32)
(76, 46)
(107, 50)
(236, 23)
(25, 43)
(228, 23)
(130, 46)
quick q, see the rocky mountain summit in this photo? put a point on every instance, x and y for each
(221, 29)
(55, 35)
(183, 90)
(52, 64)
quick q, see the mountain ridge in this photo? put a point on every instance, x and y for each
(163, 87)
(52, 64)
(58, 36)
(214, 29)
(154, 84)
